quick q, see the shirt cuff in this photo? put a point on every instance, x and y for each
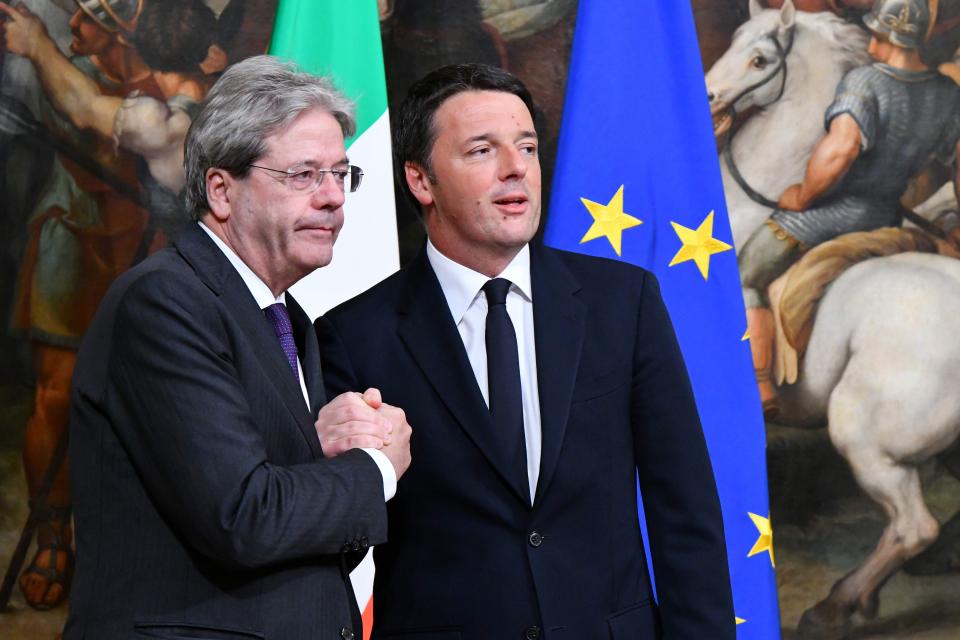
(386, 470)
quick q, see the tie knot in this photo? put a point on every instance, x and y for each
(280, 319)
(496, 291)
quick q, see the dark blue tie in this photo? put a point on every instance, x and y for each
(280, 319)
(503, 379)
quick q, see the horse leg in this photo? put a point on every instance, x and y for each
(911, 528)
(943, 556)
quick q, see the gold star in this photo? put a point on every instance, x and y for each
(698, 245)
(609, 220)
(765, 541)
(746, 335)
(739, 620)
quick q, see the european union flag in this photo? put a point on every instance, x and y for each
(637, 179)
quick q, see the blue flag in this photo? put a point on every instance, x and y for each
(637, 179)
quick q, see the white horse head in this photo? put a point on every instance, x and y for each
(752, 71)
(783, 66)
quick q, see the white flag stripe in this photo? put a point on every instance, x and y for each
(362, 578)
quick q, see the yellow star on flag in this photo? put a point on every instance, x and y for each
(765, 541)
(738, 620)
(746, 335)
(609, 220)
(698, 245)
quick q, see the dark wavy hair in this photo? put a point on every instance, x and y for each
(174, 35)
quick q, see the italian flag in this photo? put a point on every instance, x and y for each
(341, 40)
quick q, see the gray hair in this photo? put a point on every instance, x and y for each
(251, 101)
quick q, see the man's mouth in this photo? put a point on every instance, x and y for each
(512, 202)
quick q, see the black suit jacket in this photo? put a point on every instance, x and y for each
(469, 558)
(203, 504)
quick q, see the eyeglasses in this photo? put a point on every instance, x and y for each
(308, 179)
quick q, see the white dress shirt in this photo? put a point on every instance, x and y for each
(463, 289)
(264, 297)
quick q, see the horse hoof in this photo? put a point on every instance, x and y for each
(824, 621)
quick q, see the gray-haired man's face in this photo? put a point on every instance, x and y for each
(284, 234)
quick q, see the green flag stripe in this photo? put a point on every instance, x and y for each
(338, 39)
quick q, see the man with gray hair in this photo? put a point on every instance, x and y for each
(206, 505)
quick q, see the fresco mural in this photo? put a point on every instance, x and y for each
(836, 122)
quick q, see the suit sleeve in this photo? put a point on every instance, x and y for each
(676, 479)
(185, 420)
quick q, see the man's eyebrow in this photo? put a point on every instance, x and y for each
(486, 137)
(483, 137)
(313, 164)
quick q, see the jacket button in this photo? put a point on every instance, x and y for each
(364, 543)
(345, 548)
(532, 633)
(535, 540)
(346, 634)
(355, 545)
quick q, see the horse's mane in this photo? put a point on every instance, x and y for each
(847, 42)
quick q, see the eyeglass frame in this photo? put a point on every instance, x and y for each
(356, 176)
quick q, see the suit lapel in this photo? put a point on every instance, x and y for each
(427, 329)
(559, 319)
(213, 268)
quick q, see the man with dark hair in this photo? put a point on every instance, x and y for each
(204, 503)
(542, 383)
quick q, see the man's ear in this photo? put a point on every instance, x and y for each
(219, 185)
(419, 183)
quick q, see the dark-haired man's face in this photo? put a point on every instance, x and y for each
(483, 204)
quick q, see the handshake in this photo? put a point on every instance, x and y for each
(354, 421)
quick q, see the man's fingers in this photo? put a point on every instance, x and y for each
(15, 11)
(360, 412)
(396, 415)
(372, 397)
(357, 428)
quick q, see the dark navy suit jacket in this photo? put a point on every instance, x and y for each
(469, 557)
(204, 506)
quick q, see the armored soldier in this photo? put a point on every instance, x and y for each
(888, 119)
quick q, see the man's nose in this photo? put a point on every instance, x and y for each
(329, 194)
(513, 164)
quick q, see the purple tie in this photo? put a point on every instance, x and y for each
(280, 319)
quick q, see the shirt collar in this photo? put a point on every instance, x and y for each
(258, 288)
(461, 284)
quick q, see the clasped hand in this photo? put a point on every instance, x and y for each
(353, 420)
